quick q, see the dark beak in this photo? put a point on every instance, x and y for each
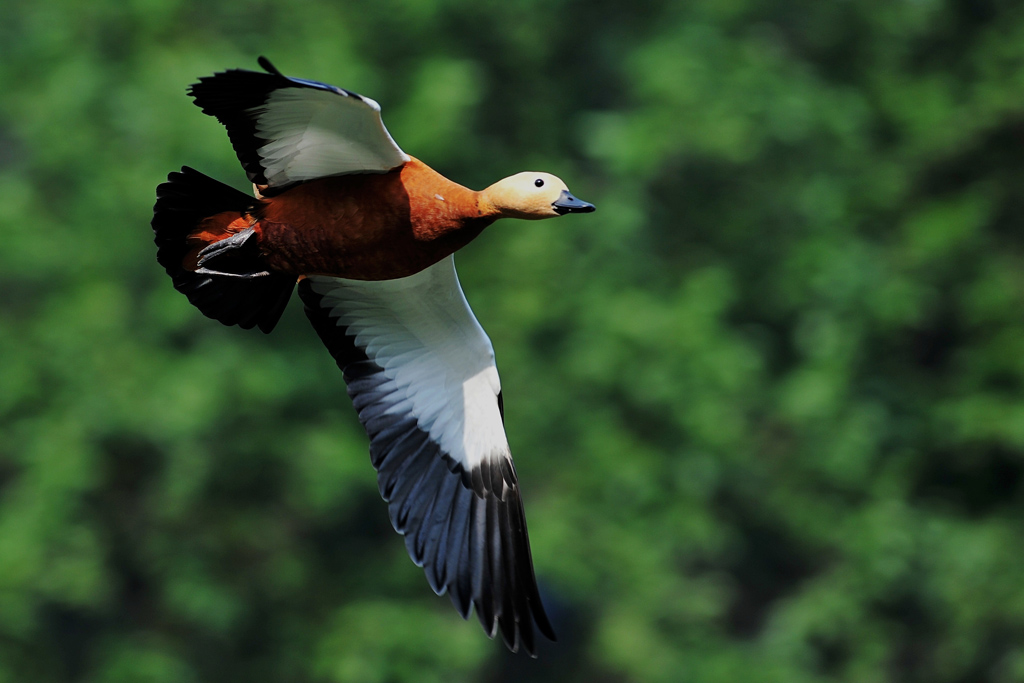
(566, 203)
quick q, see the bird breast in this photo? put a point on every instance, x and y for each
(368, 226)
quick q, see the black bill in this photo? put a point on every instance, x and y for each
(566, 203)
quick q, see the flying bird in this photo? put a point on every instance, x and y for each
(368, 234)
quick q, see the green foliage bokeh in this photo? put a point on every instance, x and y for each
(767, 404)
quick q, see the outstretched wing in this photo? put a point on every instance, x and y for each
(421, 374)
(286, 130)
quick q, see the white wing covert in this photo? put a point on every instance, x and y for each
(287, 130)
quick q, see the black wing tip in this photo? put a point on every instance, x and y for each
(229, 96)
(519, 637)
(268, 67)
(499, 582)
(493, 579)
(543, 624)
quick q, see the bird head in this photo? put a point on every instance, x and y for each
(532, 195)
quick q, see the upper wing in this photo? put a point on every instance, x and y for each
(287, 130)
(421, 374)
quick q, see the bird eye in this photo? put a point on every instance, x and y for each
(539, 182)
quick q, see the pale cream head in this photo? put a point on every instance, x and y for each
(532, 195)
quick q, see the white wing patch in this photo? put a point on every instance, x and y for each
(437, 358)
(315, 133)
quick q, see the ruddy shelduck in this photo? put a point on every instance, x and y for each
(369, 234)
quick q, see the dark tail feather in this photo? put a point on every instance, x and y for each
(186, 199)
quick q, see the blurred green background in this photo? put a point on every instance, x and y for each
(767, 404)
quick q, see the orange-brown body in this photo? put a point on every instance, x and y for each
(360, 226)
